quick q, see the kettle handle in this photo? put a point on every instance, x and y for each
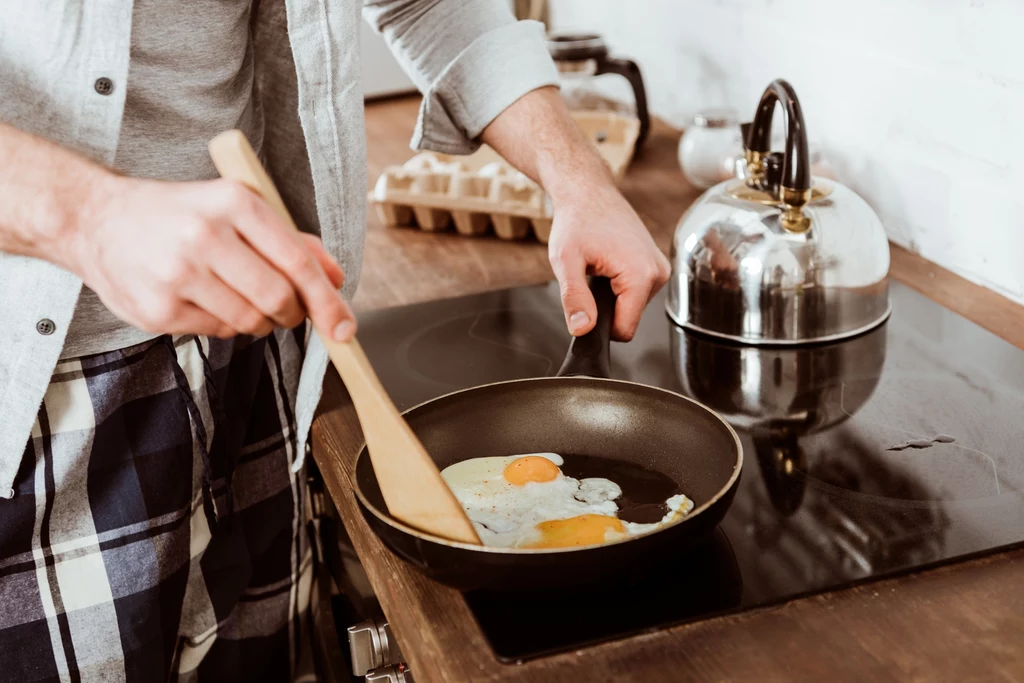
(796, 166)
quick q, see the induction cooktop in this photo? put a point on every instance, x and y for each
(890, 452)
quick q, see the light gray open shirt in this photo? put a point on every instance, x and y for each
(294, 89)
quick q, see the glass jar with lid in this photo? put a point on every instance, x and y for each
(709, 146)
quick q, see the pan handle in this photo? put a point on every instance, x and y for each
(589, 354)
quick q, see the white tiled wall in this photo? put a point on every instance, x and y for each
(917, 104)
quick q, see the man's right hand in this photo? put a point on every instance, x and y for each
(207, 257)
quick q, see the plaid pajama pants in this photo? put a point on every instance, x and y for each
(156, 532)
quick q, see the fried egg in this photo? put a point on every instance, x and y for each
(525, 501)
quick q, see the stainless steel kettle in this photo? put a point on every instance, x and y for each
(779, 257)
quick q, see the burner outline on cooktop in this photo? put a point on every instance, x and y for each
(947, 442)
(404, 348)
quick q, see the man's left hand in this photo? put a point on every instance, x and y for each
(597, 232)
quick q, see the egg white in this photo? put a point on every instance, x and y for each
(506, 515)
(678, 506)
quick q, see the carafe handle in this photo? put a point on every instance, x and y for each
(631, 72)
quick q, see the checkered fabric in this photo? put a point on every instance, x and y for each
(156, 531)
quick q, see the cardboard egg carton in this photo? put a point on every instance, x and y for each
(482, 192)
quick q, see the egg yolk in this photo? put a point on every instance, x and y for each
(530, 468)
(575, 531)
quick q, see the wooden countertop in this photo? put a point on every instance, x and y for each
(960, 622)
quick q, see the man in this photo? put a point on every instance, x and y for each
(157, 381)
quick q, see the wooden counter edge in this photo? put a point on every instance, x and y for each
(982, 306)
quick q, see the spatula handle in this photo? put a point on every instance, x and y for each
(409, 480)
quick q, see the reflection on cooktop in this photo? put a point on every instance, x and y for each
(825, 499)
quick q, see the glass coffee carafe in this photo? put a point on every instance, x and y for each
(581, 58)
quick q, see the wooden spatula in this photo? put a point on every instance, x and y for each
(411, 484)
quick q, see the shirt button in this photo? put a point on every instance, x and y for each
(104, 86)
(45, 326)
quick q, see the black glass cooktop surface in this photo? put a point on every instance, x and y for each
(890, 452)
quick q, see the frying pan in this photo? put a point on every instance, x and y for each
(578, 411)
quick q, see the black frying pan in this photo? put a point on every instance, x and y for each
(578, 411)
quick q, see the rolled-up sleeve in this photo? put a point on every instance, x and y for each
(470, 58)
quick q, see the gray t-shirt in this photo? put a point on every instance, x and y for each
(189, 78)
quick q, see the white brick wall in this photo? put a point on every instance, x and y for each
(917, 104)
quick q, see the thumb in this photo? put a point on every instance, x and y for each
(577, 301)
